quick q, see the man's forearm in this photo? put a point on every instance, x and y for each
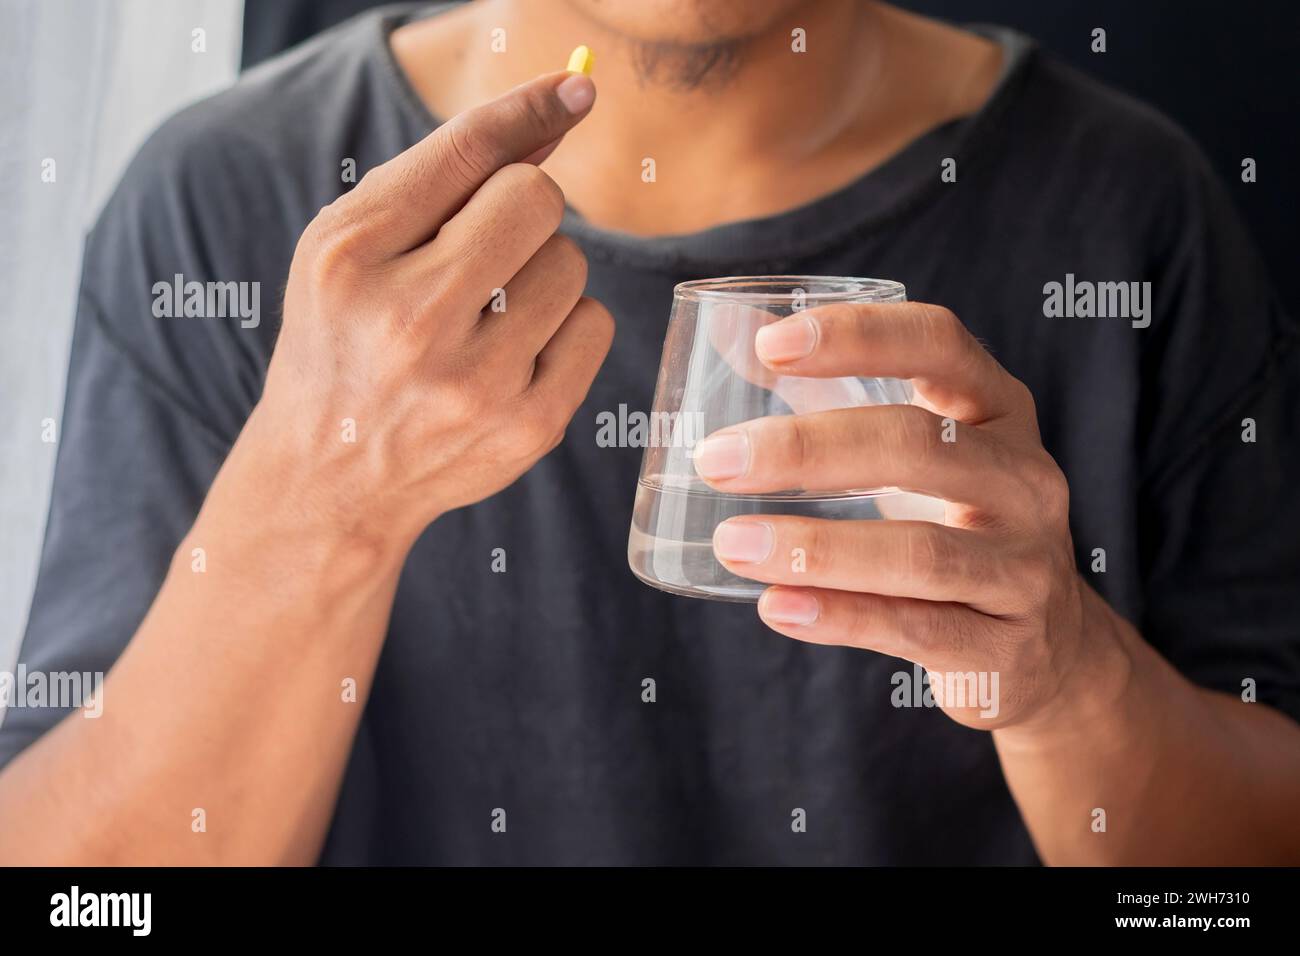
(229, 699)
(1176, 775)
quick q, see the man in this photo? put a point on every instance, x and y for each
(265, 527)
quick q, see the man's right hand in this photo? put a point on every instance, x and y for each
(391, 322)
(228, 695)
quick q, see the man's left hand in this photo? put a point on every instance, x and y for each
(993, 588)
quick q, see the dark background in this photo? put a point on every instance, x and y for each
(1229, 73)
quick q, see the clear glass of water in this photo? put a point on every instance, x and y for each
(710, 378)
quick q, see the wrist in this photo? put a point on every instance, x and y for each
(272, 497)
(1098, 697)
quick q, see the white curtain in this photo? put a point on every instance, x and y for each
(82, 82)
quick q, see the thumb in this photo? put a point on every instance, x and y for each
(404, 201)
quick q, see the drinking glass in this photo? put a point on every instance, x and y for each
(710, 378)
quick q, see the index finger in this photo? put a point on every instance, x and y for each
(402, 203)
(953, 374)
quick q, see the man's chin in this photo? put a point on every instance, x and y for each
(686, 23)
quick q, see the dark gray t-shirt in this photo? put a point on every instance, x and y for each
(523, 690)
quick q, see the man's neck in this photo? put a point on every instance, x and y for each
(767, 129)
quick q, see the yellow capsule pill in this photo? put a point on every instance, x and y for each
(581, 60)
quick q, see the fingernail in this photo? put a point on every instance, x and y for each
(747, 541)
(576, 92)
(789, 607)
(787, 340)
(723, 456)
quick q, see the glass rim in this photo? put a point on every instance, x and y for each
(843, 288)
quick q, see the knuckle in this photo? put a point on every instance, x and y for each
(944, 333)
(910, 619)
(800, 443)
(914, 433)
(569, 259)
(1053, 490)
(542, 191)
(333, 240)
(457, 277)
(538, 429)
(819, 547)
(1036, 580)
(940, 324)
(856, 615)
(928, 553)
(525, 198)
(470, 153)
(597, 325)
(322, 224)
(456, 401)
(1040, 473)
(1025, 398)
(599, 317)
(538, 111)
(996, 463)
